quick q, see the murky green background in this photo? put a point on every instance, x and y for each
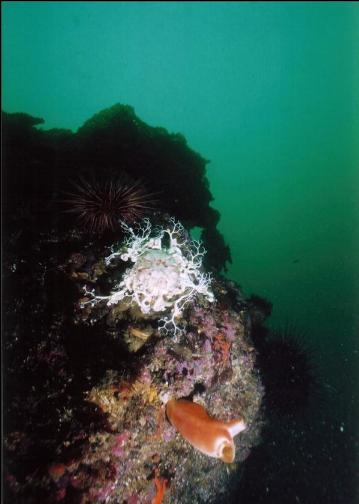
(269, 92)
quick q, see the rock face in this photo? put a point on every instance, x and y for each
(41, 167)
(213, 363)
(99, 335)
(101, 375)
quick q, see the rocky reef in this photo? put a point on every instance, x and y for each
(42, 166)
(88, 384)
(103, 330)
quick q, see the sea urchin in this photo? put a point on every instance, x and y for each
(100, 204)
(288, 371)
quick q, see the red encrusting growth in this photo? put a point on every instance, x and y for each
(162, 485)
(222, 347)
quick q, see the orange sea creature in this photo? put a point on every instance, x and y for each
(56, 470)
(223, 347)
(161, 487)
(210, 436)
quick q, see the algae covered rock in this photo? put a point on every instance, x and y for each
(213, 364)
(41, 167)
(103, 329)
(210, 360)
(103, 374)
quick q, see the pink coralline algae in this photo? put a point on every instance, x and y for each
(119, 447)
(133, 499)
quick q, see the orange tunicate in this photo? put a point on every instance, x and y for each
(56, 470)
(208, 435)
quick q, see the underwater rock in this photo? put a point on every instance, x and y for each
(213, 363)
(86, 382)
(41, 167)
(210, 360)
(87, 387)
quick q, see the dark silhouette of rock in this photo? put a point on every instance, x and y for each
(40, 165)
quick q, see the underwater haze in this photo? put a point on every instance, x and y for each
(268, 92)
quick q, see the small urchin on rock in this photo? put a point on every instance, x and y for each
(100, 204)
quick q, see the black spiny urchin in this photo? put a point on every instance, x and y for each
(288, 372)
(100, 204)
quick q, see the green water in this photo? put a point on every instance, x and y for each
(269, 92)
